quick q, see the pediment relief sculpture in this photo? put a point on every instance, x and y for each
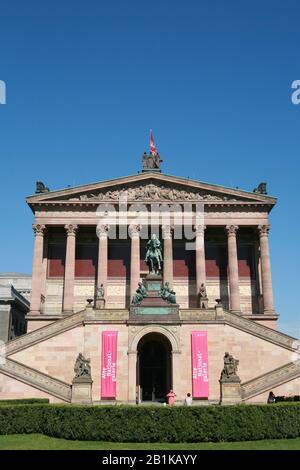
(151, 192)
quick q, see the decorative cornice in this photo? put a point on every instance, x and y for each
(71, 229)
(160, 179)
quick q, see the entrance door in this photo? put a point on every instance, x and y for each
(154, 376)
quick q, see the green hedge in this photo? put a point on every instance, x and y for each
(280, 399)
(154, 424)
(24, 401)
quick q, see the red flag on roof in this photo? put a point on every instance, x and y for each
(152, 145)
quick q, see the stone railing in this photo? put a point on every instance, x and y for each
(36, 379)
(197, 314)
(271, 379)
(107, 316)
(261, 331)
(58, 326)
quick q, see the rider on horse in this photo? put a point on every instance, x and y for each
(154, 254)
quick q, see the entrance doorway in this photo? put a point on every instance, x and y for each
(154, 372)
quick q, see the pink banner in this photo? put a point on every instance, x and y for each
(200, 364)
(109, 364)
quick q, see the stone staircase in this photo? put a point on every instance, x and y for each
(41, 334)
(270, 379)
(37, 379)
(62, 390)
(261, 331)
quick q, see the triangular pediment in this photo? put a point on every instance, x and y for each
(147, 187)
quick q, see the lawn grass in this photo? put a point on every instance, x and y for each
(41, 442)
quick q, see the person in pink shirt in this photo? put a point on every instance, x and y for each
(171, 397)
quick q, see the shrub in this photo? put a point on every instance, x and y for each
(154, 424)
(280, 398)
(24, 401)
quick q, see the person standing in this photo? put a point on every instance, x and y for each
(271, 398)
(188, 400)
(171, 397)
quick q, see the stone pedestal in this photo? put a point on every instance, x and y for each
(153, 306)
(219, 312)
(82, 390)
(100, 304)
(203, 302)
(230, 393)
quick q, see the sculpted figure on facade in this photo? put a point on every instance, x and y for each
(140, 294)
(168, 294)
(82, 367)
(229, 372)
(151, 161)
(100, 292)
(153, 257)
(154, 192)
(203, 299)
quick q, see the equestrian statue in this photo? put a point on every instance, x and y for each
(154, 259)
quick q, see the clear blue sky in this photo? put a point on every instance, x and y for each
(87, 80)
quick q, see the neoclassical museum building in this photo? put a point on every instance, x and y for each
(94, 334)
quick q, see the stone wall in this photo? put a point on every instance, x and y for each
(56, 357)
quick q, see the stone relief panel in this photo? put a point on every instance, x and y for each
(152, 192)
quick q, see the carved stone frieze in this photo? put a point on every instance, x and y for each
(152, 192)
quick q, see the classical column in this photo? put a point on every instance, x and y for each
(168, 254)
(266, 276)
(234, 291)
(132, 357)
(200, 257)
(176, 376)
(37, 268)
(69, 269)
(102, 232)
(134, 259)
